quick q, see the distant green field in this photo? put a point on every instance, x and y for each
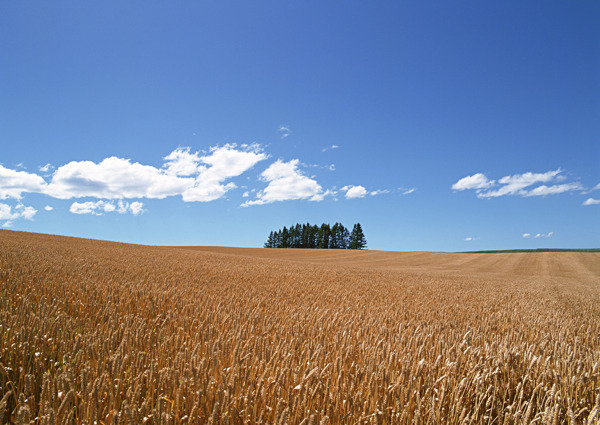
(532, 250)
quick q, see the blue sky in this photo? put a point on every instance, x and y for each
(439, 126)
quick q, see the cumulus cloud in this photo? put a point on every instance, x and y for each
(222, 163)
(14, 183)
(101, 207)
(48, 208)
(181, 162)
(591, 201)
(476, 181)
(354, 191)
(517, 184)
(193, 176)
(286, 183)
(538, 235)
(114, 178)
(7, 212)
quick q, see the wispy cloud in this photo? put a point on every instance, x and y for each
(286, 182)
(284, 130)
(472, 238)
(408, 191)
(101, 207)
(591, 201)
(359, 191)
(517, 184)
(329, 148)
(46, 168)
(538, 235)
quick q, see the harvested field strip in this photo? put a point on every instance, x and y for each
(103, 332)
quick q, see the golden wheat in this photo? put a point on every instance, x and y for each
(98, 332)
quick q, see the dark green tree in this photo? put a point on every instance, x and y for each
(270, 243)
(357, 238)
(285, 238)
(324, 234)
(313, 236)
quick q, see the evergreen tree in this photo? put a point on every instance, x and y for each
(285, 236)
(357, 238)
(324, 236)
(313, 236)
(277, 241)
(270, 243)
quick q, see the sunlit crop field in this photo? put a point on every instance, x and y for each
(100, 332)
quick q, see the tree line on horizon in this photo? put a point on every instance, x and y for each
(319, 237)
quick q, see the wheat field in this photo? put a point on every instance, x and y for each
(96, 332)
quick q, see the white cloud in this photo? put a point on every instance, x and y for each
(409, 191)
(360, 191)
(354, 191)
(286, 182)
(185, 173)
(46, 168)
(553, 190)
(26, 212)
(136, 208)
(181, 162)
(48, 208)
(597, 187)
(329, 147)
(223, 163)
(591, 201)
(476, 181)
(100, 207)
(20, 211)
(517, 184)
(114, 178)
(285, 130)
(469, 238)
(14, 183)
(538, 235)
(7, 224)
(6, 212)
(332, 167)
(90, 207)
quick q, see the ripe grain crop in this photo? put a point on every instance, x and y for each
(107, 333)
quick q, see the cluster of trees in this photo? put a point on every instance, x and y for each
(323, 237)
